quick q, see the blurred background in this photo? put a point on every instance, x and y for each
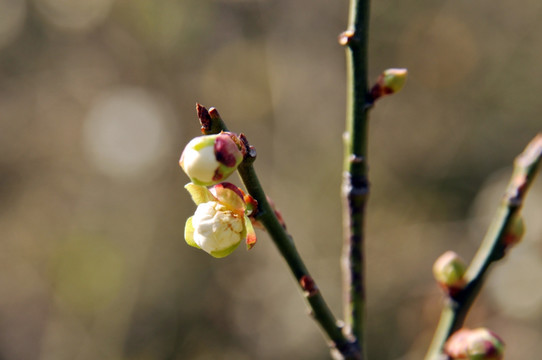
(97, 100)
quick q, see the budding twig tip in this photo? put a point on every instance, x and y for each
(204, 118)
(213, 112)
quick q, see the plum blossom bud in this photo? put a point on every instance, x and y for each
(221, 221)
(394, 79)
(476, 344)
(515, 231)
(209, 159)
(448, 271)
(389, 82)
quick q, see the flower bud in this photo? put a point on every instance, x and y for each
(220, 222)
(394, 79)
(515, 231)
(448, 271)
(389, 82)
(209, 159)
(476, 344)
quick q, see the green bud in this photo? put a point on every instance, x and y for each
(515, 231)
(209, 159)
(394, 79)
(449, 270)
(389, 82)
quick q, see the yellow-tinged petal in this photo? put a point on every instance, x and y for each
(230, 196)
(189, 233)
(225, 252)
(200, 194)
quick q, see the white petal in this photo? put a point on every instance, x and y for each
(215, 228)
(200, 164)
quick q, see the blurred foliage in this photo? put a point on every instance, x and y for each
(97, 101)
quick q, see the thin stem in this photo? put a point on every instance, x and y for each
(267, 217)
(355, 187)
(492, 249)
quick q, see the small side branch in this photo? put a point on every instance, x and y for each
(492, 249)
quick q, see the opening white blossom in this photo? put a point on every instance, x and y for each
(220, 222)
(216, 228)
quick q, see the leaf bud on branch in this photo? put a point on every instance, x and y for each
(514, 232)
(449, 271)
(389, 82)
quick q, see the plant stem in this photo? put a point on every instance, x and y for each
(211, 124)
(492, 249)
(355, 187)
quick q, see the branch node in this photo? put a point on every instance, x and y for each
(356, 159)
(308, 285)
(250, 151)
(347, 37)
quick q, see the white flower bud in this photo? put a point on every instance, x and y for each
(209, 159)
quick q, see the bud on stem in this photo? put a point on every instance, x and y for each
(476, 344)
(514, 232)
(221, 221)
(389, 82)
(449, 271)
(210, 159)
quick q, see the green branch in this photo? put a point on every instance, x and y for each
(492, 249)
(211, 124)
(355, 187)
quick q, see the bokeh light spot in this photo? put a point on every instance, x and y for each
(74, 15)
(125, 132)
(87, 273)
(439, 51)
(511, 285)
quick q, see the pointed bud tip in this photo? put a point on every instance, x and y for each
(204, 118)
(213, 113)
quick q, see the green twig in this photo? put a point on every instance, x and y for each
(212, 124)
(492, 249)
(355, 187)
